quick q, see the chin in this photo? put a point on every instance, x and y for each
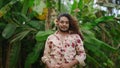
(64, 30)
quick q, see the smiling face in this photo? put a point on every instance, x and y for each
(63, 24)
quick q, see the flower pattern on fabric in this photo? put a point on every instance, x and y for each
(59, 51)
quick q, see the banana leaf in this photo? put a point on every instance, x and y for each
(42, 35)
(14, 54)
(8, 30)
(34, 55)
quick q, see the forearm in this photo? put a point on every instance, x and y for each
(74, 62)
(47, 63)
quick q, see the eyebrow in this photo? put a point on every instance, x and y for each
(65, 21)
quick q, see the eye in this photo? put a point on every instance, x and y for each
(61, 21)
(67, 22)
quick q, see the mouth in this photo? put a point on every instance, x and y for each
(64, 27)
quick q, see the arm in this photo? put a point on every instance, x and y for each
(79, 58)
(47, 50)
(81, 55)
(69, 65)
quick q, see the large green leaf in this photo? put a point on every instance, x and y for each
(20, 36)
(42, 35)
(7, 7)
(1, 3)
(14, 54)
(90, 38)
(8, 30)
(92, 60)
(20, 18)
(80, 4)
(34, 55)
(59, 5)
(97, 48)
(26, 5)
(74, 6)
(39, 25)
(91, 25)
(97, 53)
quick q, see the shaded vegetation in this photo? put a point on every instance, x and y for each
(25, 25)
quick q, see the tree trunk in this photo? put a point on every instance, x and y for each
(47, 23)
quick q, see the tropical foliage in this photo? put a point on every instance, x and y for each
(25, 25)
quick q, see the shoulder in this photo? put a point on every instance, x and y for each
(51, 36)
(77, 38)
(75, 35)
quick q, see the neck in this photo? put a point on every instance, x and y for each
(63, 33)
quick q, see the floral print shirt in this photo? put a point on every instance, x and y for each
(59, 51)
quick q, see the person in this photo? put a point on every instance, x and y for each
(64, 48)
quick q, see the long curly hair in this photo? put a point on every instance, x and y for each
(73, 24)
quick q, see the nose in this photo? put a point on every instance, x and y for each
(64, 23)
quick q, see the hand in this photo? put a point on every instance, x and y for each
(58, 66)
(66, 65)
(51, 66)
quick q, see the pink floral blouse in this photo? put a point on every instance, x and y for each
(59, 51)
